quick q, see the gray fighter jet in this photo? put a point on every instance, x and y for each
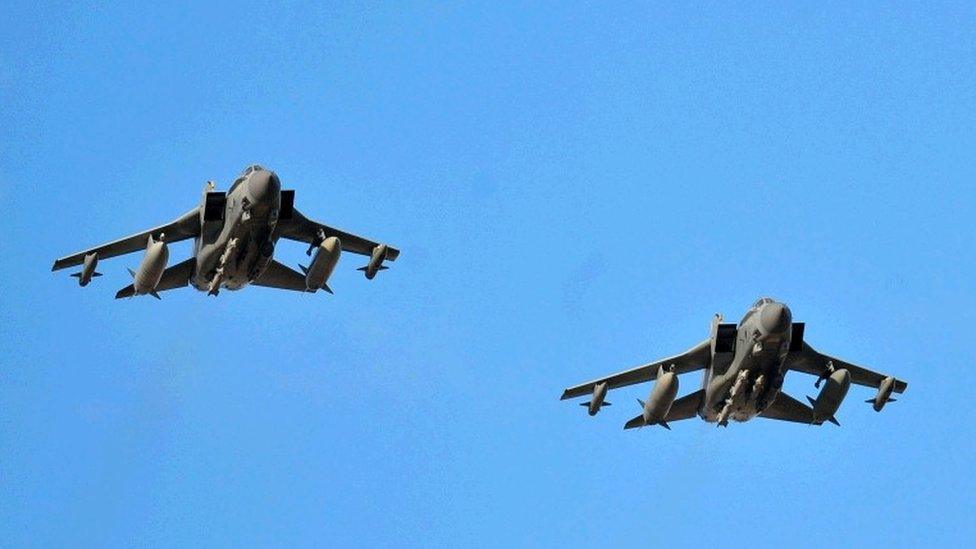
(744, 366)
(234, 234)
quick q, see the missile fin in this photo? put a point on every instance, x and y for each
(96, 274)
(328, 289)
(156, 295)
(76, 275)
(833, 420)
(362, 269)
(303, 268)
(131, 272)
(892, 400)
(665, 425)
(869, 401)
(812, 400)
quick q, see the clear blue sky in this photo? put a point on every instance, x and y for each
(575, 190)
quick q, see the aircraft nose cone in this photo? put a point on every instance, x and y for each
(775, 318)
(264, 186)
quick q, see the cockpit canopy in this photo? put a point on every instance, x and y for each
(761, 301)
(247, 171)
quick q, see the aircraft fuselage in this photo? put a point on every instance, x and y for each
(232, 253)
(755, 374)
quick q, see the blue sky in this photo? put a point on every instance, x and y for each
(575, 190)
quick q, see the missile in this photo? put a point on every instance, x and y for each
(150, 271)
(318, 272)
(830, 397)
(884, 394)
(375, 264)
(658, 404)
(599, 393)
(87, 270)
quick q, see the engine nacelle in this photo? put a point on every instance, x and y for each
(323, 263)
(662, 396)
(831, 397)
(150, 271)
(599, 393)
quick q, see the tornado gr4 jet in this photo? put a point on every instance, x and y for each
(743, 369)
(234, 235)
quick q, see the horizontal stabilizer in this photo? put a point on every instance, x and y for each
(636, 422)
(128, 291)
(177, 276)
(639, 422)
(380, 268)
(279, 276)
(871, 400)
(588, 403)
(685, 407)
(787, 408)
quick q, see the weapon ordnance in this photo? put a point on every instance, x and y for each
(326, 257)
(87, 269)
(150, 270)
(599, 393)
(884, 394)
(831, 397)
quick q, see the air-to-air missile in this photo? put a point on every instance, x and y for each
(658, 404)
(320, 269)
(87, 270)
(375, 264)
(146, 277)
(599, 393)
(831, 396)
(884, 394)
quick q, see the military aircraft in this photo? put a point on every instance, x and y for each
(234, 234)
(744, 366)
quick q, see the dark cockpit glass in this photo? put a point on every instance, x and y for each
(247, 171)
(761, 301)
